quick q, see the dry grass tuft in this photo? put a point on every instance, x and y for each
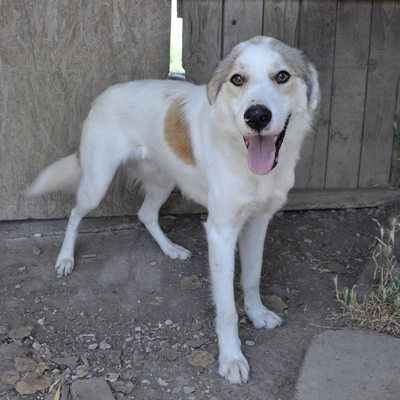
(380, 310)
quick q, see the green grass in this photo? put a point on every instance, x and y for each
(175, 64)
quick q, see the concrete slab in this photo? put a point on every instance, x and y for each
(353, 365)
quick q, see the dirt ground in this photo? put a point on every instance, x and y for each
(128, 314)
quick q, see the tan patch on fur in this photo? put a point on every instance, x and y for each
(176, 133)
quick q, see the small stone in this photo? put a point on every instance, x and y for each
(22, 269)
(122, 387)
(10, 377)
(336, 268)
(250, 343)
(82, 371)
(200, 358)
(23, 364)
(93, 346)
(36, 250)
(113, 356)
(32, 383)
(71, 313)
(161, 382)
(190, 283)
(153, 263)
(18, 286)
(37, 235)
(104, 345)
(4, 330)
(36, 346)
(168, 322)
(170, 354)
(188, 389)
(37, 300)
(93, 388)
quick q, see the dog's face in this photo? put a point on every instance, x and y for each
(261, 84)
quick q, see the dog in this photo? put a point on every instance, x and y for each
(231, 145)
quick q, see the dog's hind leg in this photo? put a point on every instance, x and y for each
(156, 193)
(91, 191)
(251, 245)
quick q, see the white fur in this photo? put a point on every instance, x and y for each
(126, 123)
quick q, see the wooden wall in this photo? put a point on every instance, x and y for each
(55, 58)
(355, 46)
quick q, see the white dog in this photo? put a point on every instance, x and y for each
(219, 143)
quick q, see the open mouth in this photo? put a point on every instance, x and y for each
(263, 150)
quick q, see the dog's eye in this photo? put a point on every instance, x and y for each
(282, 77)
(237, 80)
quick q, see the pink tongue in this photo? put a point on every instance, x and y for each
(261, 154)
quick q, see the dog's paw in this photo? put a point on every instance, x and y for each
(64, 267)
(235, 370)
(264, 318)
(175, 251)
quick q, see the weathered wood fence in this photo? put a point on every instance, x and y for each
(55, 57)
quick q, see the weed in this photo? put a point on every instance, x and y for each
(380, 310)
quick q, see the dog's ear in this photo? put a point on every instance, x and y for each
(221, 73)
(213, 87)
(313, 90)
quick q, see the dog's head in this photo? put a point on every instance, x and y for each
(262, 83)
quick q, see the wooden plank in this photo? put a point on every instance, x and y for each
(281, 20)
(318, 20)
(242, 21)
(310, 199)
(383, 77)
(318, 199)
(202, 38)
(348, 93)
(55, 58)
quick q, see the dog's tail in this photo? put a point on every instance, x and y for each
(63, 175)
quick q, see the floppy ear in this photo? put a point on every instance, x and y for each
(313, 90)
(213, 87)
(221, 73)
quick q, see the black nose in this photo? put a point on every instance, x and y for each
(257, 117)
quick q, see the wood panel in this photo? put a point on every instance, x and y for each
(348, 93)
(318, 20)
(55, 58)
(202, 38)
(282, 20)
(242, 21)
(380, 106)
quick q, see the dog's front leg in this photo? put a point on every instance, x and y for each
(222, 239)
(251, 245)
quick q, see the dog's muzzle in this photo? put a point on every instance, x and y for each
(263, 150)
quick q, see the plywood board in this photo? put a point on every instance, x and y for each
(55, 58)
